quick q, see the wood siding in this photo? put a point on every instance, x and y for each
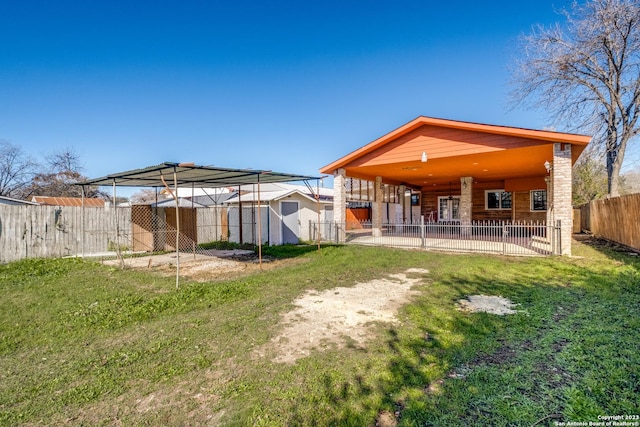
(441, 142)
(521, 204)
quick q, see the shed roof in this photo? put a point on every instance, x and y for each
(11, 201)
(275, 196)
(188, 174)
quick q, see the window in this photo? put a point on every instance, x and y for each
(449, 209)
(497, 199)
(539, 200)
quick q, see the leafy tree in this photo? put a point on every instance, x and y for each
(588, 73)
(589, 180)
(16, 170)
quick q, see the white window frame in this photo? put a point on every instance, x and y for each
(531, 200)
(449, 208)
(486, 200)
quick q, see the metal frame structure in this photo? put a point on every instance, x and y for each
(193, 176)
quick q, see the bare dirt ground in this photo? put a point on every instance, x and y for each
(204, 265)
(338, 316)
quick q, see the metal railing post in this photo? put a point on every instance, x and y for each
(504, 238)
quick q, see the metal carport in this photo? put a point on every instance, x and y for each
(178, 175)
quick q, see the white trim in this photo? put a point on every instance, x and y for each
(531, 200)
(497, 190)
(448, 198)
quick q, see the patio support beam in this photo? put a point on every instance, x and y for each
(376, 208)
(340, 204)
(403, 202)
(466, 203)
(561, 181)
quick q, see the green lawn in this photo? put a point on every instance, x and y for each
(86, 344)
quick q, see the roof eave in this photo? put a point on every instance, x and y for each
(542, 135)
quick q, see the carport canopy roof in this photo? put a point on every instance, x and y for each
(188, 174)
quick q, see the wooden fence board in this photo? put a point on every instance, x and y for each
(28, 231)
(616, 219)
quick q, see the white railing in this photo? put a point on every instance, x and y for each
(499, 237)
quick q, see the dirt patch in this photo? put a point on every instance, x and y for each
(487, 304)
(339, 316)
(205, 265)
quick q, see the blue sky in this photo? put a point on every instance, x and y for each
(288, 86)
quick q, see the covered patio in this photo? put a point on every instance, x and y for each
(461, 175)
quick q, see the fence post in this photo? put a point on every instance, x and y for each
(559, 228)
(504, 238)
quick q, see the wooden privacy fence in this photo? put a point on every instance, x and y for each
(616, 219)
(56, 231)
(28, 231)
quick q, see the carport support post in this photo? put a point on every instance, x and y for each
(376, 214)
(83, 223)
(240, 213)
(115, 213)
(259, 227)
(177, 200)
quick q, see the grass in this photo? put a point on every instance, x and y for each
(86, 344)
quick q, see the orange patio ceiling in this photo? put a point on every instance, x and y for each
(454, 149)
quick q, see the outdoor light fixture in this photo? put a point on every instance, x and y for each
(423, 159)
(464, 183)
(548, 166)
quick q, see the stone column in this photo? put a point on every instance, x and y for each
(466, 204)
(376, 209)
(561, 181)
(340, 204)
(403, 202)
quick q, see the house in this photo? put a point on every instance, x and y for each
(68, 201)
(286, 210)
(448, 171)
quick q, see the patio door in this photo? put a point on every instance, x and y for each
(449, 208)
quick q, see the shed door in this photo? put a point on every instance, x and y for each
(290, 224)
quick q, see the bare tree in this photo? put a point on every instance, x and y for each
(67, 160)
(61, 177)
(587, 73)
(16, 169)
(144, 196)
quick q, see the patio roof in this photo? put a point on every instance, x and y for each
(188, 174)
(454, 149)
